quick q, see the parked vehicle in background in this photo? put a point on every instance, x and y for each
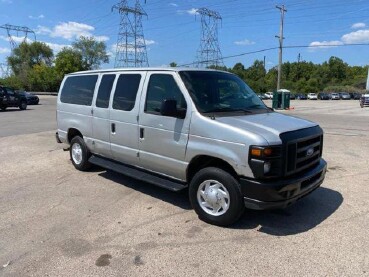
(31, 98)
(292, 96)
(345, 96)
(204, 130)
(8, 98)
(335, 96)
(261, 96)
(312, 96)
(268, 95)
(301, 96)
(364, 100)
(355, 95)
(323, 96)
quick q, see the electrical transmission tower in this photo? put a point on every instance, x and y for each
(4, 70)
(209, 53)
(17, 29)
(131, 46)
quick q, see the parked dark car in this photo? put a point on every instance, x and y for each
(355, 95)
(8, 98)
(301, 96)
(345, 96)
(323, 96)
(292, 96)
(31, 98)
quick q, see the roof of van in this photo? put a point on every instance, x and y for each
(172, 69)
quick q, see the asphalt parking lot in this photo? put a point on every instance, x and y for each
(57, 221)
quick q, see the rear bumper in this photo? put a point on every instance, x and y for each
(263, 195)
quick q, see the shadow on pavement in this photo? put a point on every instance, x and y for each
(179, 199)
(304, 215)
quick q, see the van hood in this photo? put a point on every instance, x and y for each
(268, 125)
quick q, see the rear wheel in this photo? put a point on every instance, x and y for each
(79, 154)
(216, 196)
(23, 105)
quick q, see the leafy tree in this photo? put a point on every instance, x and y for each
(93, 52)
(43, 78)
(67, 61)
(173, 64)
(26, 55)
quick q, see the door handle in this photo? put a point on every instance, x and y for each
(113, 128)
(142, 133)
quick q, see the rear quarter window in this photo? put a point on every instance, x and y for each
(79, 90)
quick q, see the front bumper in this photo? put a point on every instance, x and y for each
(263, 195)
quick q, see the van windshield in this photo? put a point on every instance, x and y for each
(220, 92)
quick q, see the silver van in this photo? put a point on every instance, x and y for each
(204, 130)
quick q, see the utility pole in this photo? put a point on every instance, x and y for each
(281, 38)
(264, 64)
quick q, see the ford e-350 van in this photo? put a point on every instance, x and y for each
(201, 129)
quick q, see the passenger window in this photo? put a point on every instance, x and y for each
(79, 90)
(163, 87)
(103, 96)
(10, 92)
(126, 92)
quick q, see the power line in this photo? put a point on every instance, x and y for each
(286, 47)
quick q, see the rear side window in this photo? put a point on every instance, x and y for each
(79, 90)
(126, 92)
(103, 95)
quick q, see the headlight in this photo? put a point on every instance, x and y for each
(265, 161)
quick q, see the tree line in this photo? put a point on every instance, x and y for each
(35, 68)
(333, 75)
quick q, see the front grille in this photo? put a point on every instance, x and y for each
(303, 154)
(302, 149)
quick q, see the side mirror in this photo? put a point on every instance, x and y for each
(169, 108)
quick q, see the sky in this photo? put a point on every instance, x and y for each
(172, 28)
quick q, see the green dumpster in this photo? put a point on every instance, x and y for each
(277, 100)
(285, 100)
(281, 99)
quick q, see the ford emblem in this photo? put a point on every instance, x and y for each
(309, 152)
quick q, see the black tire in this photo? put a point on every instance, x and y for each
(23, 105)
(236, 202)
(84, 164)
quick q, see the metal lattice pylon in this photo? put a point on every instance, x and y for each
(131, 46)
(209, 53)
(18, 29)
(4, 70)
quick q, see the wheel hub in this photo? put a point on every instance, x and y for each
(213, 197)
(77, 153)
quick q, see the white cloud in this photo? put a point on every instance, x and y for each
(324, 44)
(244, 42)
(358, 25)
(70, 31)
(56, 47)
(192, 11)
(360, 36)
(4, 50)
(149, 42)
(16, 39)
(173, 4)
(41, 16)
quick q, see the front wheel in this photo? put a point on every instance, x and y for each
(216, 196)
(79, 154)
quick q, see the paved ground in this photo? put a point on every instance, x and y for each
(56, 221)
